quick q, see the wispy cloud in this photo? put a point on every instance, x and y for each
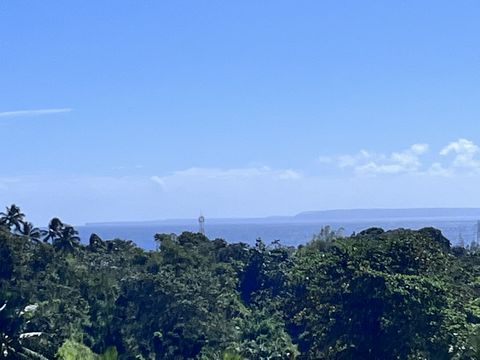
(225, 175)
(35, 112)
(466, 154)
(239, 173)
(406, 161)
(160, 181)
(461, 156)
(368, 163)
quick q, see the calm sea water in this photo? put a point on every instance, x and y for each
(457, 231)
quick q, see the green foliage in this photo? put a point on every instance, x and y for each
(263, 336)
(377, 295)
(110, 354)
(12, 218)
(71, 350)
(231, 355)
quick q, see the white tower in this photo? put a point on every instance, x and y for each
(201, 225)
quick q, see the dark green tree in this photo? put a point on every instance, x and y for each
(68, 239)
(12, 217)
(55, 229)
(32, 232)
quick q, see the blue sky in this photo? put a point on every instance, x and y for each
(135, 110)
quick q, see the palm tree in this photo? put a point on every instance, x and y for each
(68, 239)
(32, 232)
(12, 217)
(55, 228)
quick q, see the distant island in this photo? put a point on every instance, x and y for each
(338, 215)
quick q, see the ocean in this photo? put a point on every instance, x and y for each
(458, 231)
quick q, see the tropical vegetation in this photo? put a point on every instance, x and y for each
(399, 294)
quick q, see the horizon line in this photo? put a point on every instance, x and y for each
(278, 216)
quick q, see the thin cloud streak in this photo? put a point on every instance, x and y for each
(233, 175)
(37, 112)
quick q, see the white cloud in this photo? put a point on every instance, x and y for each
(106, 198)
(375, 168)
(419, 148)
(37, 112)
(465, 152)
(461, 156)
(256, 190)
(250, 191)
(237, 192)
(224, 175)
(345, 161)
(437, 169)
(288, 175)
(159, 181)
(366, 162)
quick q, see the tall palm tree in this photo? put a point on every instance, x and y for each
(55, 228)
(12, 217)
(32, 232)
(68, 239)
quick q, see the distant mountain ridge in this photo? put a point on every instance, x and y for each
(338, 215)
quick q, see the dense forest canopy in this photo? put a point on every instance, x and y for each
(399, 294)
